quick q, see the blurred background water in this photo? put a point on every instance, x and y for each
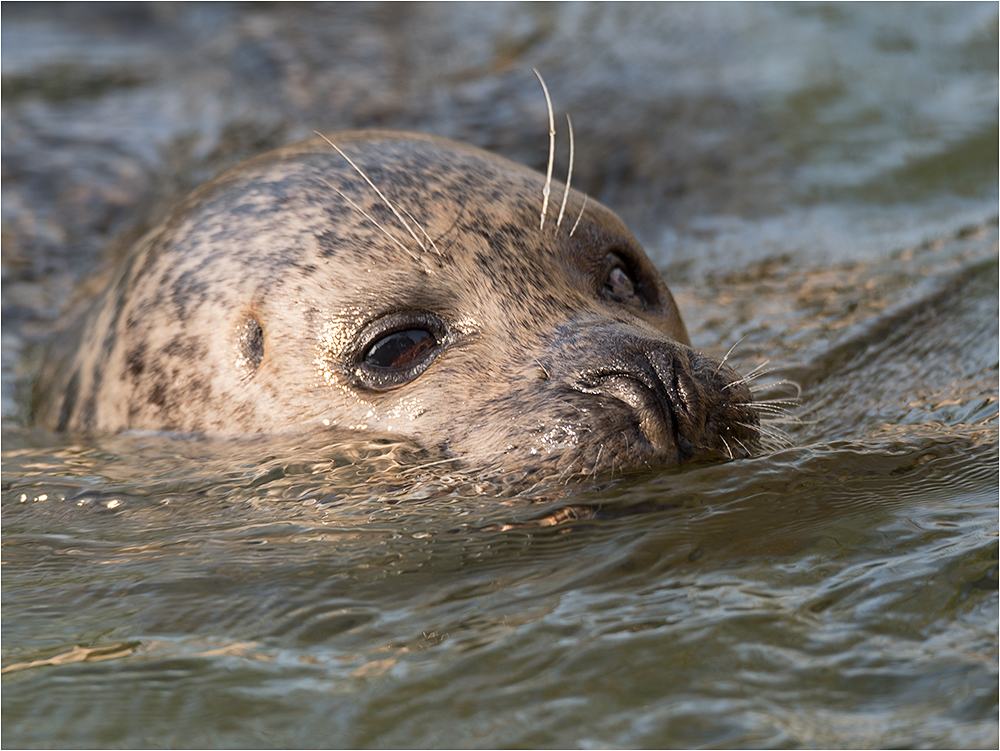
(820, 180)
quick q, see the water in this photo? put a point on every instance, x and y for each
(820, 181)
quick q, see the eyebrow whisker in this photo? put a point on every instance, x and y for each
(569, 172)
(371, 219)
(380, 194)
(723, 361)
(580, 215)
(552, 150)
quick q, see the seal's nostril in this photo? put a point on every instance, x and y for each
(682, 403)
(650, 408)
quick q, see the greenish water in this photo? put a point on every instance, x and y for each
(817, 181)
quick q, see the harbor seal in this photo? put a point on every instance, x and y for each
(408, 285)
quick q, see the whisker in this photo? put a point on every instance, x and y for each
(380, 194)
(564, 472)
(580, 215)
(775, 434)
(789, 403)
(744, 446)
(422, 230)
(751, 376)
(749, 426)
(770, 408)
(723, 362)
(785, 411)
(468, 459)
(569, 172)
(371, 219)
(728, 450)
(767, 386)
(597, 462)
(757, 371)
(552, 150)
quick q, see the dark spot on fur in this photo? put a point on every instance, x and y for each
(329, 244)
(158, 395)
(88, 413)
(135, 360)
(185, 347)
(69, 401)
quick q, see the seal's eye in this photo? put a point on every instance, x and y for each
(396, 349)
(619, 284)
(400, 350)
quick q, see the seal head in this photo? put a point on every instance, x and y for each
(401, 284)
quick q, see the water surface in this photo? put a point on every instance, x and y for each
(818, 182)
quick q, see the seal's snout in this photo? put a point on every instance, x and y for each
(685, 406)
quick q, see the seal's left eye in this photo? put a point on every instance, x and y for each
(620, 285)
(400, 350)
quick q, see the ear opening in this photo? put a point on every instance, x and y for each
(249, 346)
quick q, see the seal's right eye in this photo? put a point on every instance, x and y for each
(399, 350)
(396, 349)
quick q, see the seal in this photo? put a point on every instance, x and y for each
(403, 284)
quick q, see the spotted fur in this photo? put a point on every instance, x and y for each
(241, 313)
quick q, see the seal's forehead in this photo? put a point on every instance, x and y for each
(443, 185)
(386, 199)
(419, 176)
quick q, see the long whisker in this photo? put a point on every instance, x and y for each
(744, 446)
(597, 463)
(767, 386)
(782, 403)
(463, 460)
(565, 472)
(422, 230)
(569, 172)
(552, 150)
(775, 434)
(770, 408)
(580, 215)
(372, 219)
(757, 372)
(374, 187)
(723, 362)
(728, 450)
(750, 426)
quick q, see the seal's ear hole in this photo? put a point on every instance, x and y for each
(249, 345)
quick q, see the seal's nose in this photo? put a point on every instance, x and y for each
(663, 397)
(686, 404)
